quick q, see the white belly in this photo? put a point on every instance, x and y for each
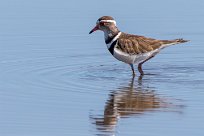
(131, 59)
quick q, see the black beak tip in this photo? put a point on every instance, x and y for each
(90, 32)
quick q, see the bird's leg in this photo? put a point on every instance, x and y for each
(133, 71)
(140, 65)
(140, 68)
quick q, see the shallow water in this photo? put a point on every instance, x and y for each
(55, 79)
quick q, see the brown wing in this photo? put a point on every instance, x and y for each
(134, 44)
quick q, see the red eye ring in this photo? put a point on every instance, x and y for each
(102, 23)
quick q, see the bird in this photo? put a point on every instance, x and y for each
(129, 48)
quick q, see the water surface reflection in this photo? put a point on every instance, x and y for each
(135, 99)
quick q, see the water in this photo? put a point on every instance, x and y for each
(55, 79)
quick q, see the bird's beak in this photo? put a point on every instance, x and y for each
(94, 29)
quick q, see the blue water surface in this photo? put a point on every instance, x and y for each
(57, 80)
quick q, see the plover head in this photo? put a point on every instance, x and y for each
(107, 24)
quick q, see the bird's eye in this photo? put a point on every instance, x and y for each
(102, 23)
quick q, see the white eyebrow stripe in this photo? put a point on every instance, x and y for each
(109, 21)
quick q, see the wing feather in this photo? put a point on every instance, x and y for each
(135, 44)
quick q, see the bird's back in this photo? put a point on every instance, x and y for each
(135, 44)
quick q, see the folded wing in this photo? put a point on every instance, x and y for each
(134, 44)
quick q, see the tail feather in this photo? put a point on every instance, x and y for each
(172, 42)
(167, 43)
(180, 40)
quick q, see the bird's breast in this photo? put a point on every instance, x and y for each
(124, 57)
(132, 59)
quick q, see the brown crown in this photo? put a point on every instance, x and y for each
(105, 18)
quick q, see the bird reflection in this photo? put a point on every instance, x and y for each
(128, 101)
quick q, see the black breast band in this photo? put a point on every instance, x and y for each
(111, 49)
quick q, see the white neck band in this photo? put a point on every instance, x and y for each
(114, 39)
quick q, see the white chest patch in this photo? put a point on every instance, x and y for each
(133, 59)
